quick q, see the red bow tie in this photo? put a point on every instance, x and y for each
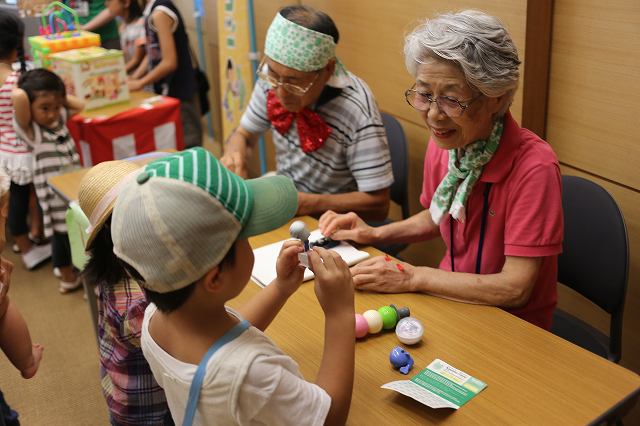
(313, 131)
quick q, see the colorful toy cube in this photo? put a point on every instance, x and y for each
(43, 46)
(93, 74)
(59, 31)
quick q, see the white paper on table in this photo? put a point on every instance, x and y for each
(264, 267)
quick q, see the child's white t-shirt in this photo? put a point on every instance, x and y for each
(248, 381)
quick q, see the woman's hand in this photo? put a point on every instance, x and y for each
(347, 226)
(383, 274)
(290, 271)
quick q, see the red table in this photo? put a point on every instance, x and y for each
(146, 123)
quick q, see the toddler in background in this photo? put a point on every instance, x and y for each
(131, 29)
(170, 68)
(15, 340)
(132, 394)
(42, 108)
(15, 155)
(214, 363)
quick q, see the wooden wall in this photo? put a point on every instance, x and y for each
(592, 124)
(593, 99)
(210, 37)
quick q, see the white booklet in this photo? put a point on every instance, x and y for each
(439, 386)
(264, 268)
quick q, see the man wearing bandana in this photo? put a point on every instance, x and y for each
(329, 136)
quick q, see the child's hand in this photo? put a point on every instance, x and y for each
(334, 285)
(6, 267)
(36, 357)
(290, 272)
(135, 85)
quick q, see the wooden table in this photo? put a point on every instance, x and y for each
(135, 100)
(533, 376)
(67, 184)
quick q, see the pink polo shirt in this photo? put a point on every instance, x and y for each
(525, 214)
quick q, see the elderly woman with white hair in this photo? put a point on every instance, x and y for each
(491, 189)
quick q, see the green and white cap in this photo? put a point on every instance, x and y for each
(183, 212)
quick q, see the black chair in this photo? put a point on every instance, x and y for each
(399, 162)
(399, 165)
(594, 262)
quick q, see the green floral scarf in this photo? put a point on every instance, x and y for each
(452, 194)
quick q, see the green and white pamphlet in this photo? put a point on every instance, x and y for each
(439, 386)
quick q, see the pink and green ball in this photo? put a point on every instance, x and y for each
(389, 317)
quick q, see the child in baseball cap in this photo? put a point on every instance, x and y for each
(181, 227)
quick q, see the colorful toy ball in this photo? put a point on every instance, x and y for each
(389, 317)
(374, 320)
(362, 326)
(401, 360)
(409, 330)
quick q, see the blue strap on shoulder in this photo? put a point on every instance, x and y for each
(196, 384)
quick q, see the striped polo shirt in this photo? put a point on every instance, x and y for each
(355, 157)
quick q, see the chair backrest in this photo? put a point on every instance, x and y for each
(77, 224)
(595, 257)
(399, 162)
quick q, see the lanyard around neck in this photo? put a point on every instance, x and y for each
(483, 228)
(198, 378)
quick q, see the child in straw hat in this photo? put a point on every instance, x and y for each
(15, 340)
(182, 227)
(132, 394)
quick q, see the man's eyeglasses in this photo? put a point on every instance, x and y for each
(422, 101)
(274, 82)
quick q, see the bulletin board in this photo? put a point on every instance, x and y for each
(236, 74)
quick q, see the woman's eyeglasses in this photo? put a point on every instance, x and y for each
(274, 82)
(422, 101)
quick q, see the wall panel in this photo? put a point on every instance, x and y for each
(592, 125)
(372, 33)
(594, 89)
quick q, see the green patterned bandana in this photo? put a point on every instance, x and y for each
(451, 195)
(300, 48)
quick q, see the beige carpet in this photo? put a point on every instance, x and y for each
(66, 389)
